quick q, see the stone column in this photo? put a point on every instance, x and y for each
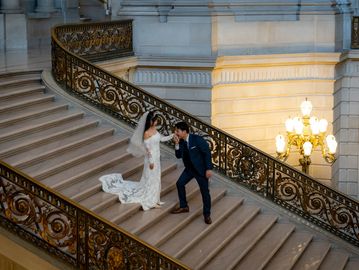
(13, 25)
(346, 124)
(10, 6)
(45, 6)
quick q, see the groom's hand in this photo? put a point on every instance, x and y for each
(208, 174)
(152, 166)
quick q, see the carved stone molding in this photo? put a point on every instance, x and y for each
(243, 10)
(172, 77)
(273, 74)
(261, 68)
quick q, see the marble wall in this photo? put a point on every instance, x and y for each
(310, 33)
(27, 24)
(252, 96)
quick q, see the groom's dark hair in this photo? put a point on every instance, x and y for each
(182, 126)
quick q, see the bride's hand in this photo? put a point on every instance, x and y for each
(152, 166)
(175, 139)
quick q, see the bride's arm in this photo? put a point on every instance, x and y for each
(166, 138)
(149, 154)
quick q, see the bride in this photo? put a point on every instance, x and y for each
(145, 141)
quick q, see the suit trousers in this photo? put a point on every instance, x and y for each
(186, 176)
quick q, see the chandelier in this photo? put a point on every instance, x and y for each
(306, 133)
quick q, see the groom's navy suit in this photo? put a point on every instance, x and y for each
(197, 160)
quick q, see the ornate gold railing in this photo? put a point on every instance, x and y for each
(98, 42)
(241, 162)
(67, 230)
(88, 242)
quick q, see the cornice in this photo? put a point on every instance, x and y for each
(242, 10)
(266, 68)
(277, 60)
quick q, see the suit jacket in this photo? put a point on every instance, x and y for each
(199, 153)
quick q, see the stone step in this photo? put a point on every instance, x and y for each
(90, 185)
(20, 81)
(161, 231)
(28, 101)
(313, 256)
(31, 112)
(13, 102)
(352, 264)
(18, 145)
(57, 148)
(39, 124)
(120, 212)
(265, 249)
(76, 172)
(57, 163)
(243, 239)
(290, 252)
(26, 85)
(334, 260)
(7, 96)
(204, 250)
(144, 219)
(197, 229)
(11, 134)
(170, 177)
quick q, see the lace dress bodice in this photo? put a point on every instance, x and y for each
(147, 190)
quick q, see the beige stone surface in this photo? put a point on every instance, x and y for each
(253, 96)
(15, 257)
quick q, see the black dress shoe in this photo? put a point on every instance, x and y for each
(208, 220)
(180, 210)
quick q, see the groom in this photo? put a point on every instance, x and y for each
(196, 156)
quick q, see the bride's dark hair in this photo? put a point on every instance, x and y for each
(151, 117)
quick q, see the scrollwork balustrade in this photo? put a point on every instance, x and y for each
(232, 157)
(70, 232)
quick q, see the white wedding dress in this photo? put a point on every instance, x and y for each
(147, 191)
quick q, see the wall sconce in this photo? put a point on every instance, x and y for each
(306, 133)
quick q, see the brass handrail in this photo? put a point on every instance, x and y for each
(239, 161)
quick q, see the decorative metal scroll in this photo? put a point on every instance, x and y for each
(355, 33)
(232, 157)
(97, 41)
(73, 234)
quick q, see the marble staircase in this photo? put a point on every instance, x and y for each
(67, 148)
